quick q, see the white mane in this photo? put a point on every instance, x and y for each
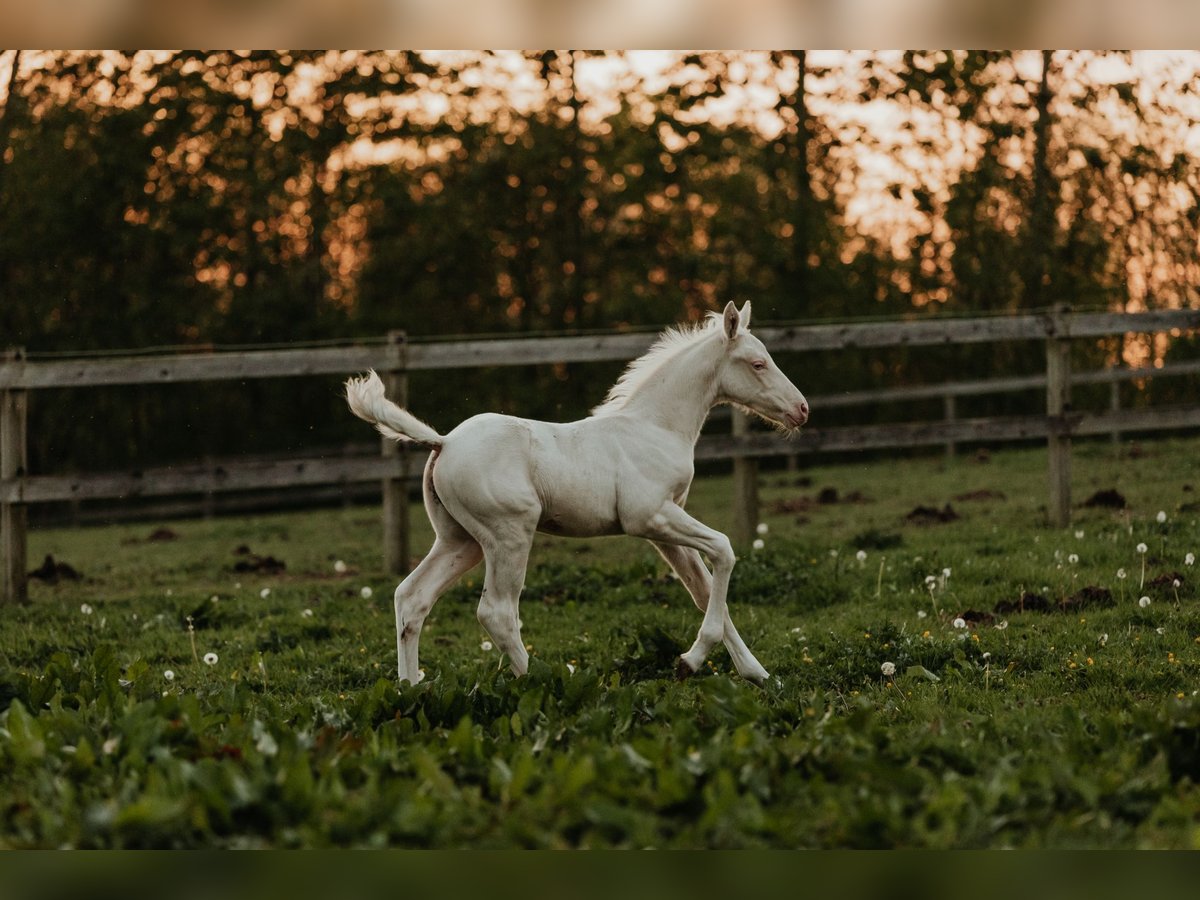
(668, 345)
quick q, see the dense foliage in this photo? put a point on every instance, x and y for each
(218, 197)
(167, 700)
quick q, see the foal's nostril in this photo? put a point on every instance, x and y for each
(804, 408)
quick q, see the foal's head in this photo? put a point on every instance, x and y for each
(750, 378)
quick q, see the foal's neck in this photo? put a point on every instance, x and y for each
(681, 392)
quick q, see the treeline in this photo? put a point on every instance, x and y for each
(224, 198)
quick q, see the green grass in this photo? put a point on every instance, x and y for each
(1075, 727)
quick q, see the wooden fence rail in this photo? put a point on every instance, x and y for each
(395, 357)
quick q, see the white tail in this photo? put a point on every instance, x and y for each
(366, 399)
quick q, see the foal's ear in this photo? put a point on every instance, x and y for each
(730, 321)
(744, 316)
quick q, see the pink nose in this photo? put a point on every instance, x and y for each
(799, 415)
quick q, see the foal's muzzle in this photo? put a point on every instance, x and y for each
(798, 415)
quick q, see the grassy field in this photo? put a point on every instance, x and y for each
(984, 681)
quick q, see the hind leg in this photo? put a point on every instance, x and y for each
(695, 576)
(454, 552)
(507, 556)
(451, 557)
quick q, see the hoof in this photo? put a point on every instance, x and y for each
(683, 671)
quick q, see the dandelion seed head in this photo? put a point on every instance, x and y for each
(1161, 516)
(1079, 535)
(1143, 602)
(762, 528)
(264, 593)
(960, 622)
(307, 614)
(921, 614)
(210, 659)
(169, 675)
(1121, 574)
(366, 592)
(1073, 558)
(339, 567)
(1142, 548)
(86, 609)
(1189, 559)
(888, 669)
(758, 544)
(486, 646)
(861, 555)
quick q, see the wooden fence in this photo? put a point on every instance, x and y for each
(396, 357)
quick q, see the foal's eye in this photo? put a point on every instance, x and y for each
(759, 365)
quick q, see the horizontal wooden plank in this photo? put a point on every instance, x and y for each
(198, 479)
(264, 474)
(528, 351)
(416, 355)
(1101, 324)
(929, 434)
(193, 367)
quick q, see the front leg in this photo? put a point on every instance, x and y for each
(672, 525)
(687, 564)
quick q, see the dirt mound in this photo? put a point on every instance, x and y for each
(1086, 597)
(1109, 498)
(929, 515)
(265, 565)
(52, 572)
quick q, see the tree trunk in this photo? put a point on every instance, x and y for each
(1036, 276)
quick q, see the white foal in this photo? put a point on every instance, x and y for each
(495, 480)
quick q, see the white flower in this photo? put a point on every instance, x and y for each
(833, 553)
(758, 544)
(265, 593)
(921, 614)
(210, 659)
(1121, 573)
(307, 614)
(888, 669)
(366, 592)
(1161, 517)
(1079, 535)
(86, 609)
(1103, 641)
(1176, 583)
(486, 646)
(946, 573)
(169, 675)
(986, 656)
(1073, 558)
(339, 567)
(762, 528)
(930, 579)
(861, 555)
(960, 622)
(1189, 559)
(1001, 626)
(1143, 602)
(1142, 548)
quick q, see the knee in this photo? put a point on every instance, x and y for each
(722, 553)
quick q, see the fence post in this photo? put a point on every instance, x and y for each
(950, 407)
(395, 488)
(1058, 403)
(14, 461)
(745, 488)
